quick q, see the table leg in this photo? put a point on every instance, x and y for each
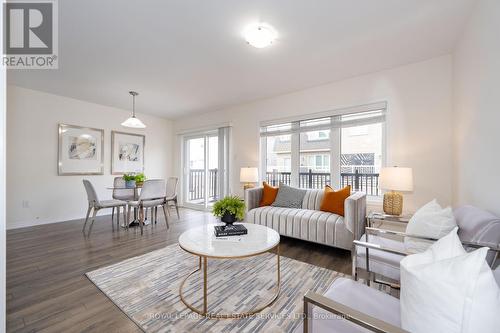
(135, 222)
(279, 268)
(203, 262)
(367, 254)
(205, 306)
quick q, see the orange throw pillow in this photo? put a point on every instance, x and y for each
(333, 201)
(268, 195)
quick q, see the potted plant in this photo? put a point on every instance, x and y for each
(139, 179)
(129, 180)
(230, 209)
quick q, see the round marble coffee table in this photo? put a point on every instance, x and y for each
(202, 242)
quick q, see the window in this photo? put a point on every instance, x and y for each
(314, 172)
(361, 157)
(317, 135)
(345, 148)
(284, 138)
(278, 158)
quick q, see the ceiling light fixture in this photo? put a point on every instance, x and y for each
(133, 122)
(260, 35)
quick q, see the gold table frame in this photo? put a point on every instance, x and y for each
(203, 261)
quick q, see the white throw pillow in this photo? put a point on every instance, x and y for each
(429, 221)
(445, 289)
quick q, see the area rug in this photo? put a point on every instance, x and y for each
(146, 289)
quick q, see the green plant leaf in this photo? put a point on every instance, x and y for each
(128, 177)
(140, 177)
(233, 205)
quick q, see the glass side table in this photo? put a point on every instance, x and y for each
(388, 222)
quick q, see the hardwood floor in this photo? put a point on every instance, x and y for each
(47, 290)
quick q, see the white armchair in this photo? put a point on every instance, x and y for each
(351, 307)
(379, 251)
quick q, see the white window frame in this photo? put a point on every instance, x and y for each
(224, 138)
(335, 127)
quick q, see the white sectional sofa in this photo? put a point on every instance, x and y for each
(309, 223)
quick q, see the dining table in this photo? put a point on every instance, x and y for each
(137, 189)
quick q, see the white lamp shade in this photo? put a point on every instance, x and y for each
(249, 175)
(133, 122)
(396, 179)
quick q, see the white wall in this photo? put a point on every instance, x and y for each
(3, 106)
(419, 122)
(477, 109)
(32, 133)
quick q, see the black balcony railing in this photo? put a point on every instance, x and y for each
(359, 181)
(363, 182)
(197, 184)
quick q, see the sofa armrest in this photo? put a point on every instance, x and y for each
(355, 214)
(253, 197)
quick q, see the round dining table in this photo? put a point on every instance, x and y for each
(136, 188)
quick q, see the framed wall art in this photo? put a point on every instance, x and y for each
(127, 152)
(80, 151)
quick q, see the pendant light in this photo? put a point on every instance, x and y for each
(133, 122)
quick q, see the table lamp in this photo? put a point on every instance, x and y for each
(395, 180)
(249, 176)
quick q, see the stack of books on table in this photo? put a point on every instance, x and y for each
(230, 230)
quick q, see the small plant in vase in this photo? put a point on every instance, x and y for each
(129, 180)
(139, 179)
(230, 209)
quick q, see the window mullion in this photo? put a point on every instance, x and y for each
(335, 144)
(263, 158)
(295, 154)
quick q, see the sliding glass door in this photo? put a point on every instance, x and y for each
(195, 164)
(205, 165)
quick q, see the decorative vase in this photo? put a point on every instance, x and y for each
(130, 184)
(228, 218)
(139, 184)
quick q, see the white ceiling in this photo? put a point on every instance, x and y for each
(188, 56)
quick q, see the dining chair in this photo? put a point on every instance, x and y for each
(120, 192)
(171, 195)
(152, 195)
(95, 205)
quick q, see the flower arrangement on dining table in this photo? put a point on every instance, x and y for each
(134, 179)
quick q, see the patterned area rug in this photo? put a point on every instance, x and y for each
(146, 289)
